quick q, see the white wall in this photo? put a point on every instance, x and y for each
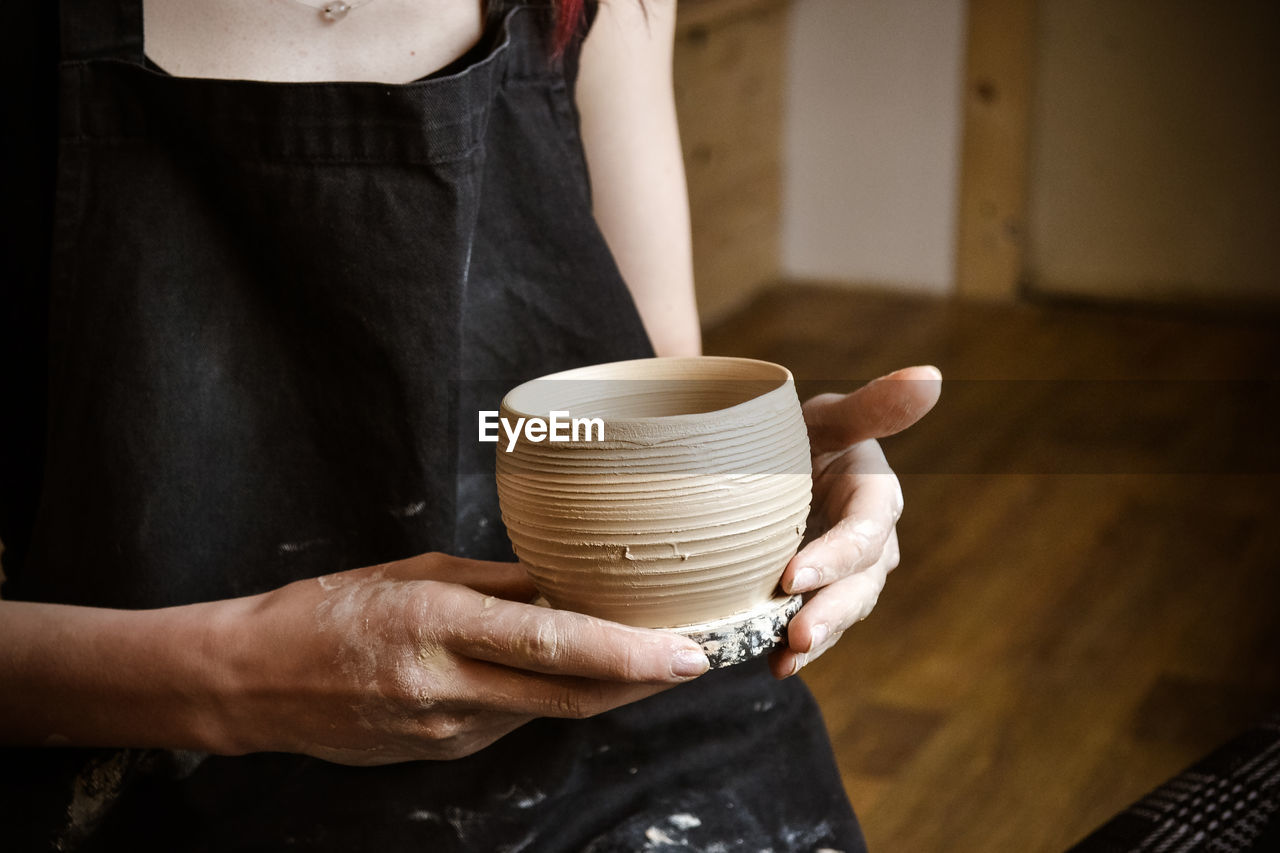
(871, 146)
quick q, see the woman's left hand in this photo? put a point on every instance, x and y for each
(856, 504)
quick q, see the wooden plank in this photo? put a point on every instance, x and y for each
(1153, 152)
(728, 84)
(990, 244)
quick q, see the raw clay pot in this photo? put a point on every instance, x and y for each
(689, 509)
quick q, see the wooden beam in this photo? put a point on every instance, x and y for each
(701, 13)
(990, 245)
(730, 63)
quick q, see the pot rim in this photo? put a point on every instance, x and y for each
(661, 368)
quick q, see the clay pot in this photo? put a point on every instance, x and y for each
(686, 512)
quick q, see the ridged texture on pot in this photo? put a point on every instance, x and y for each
(671, 520)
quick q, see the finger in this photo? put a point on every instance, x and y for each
(493, 687)
(834, 609)
(433, 736)
(558, 642)
(880, 408)
(464, 732)
(830, 612)
(866, 506)
(491, 732)
(503, 580)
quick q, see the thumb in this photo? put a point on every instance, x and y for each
(880, 408)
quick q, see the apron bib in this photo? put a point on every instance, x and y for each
(280, 306)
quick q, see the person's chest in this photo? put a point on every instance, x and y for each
(392, 41)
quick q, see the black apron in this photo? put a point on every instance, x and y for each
(274, 311)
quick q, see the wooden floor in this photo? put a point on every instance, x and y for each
(1089, 595)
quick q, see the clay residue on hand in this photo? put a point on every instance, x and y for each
(394, 682)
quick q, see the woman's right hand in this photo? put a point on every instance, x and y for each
(432, 657)
(429, 657)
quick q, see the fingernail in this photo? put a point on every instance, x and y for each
(817, 636)
(688, 663)
(805, 580)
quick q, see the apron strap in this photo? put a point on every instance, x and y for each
(101, 29)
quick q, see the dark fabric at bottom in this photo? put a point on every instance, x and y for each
(705, 766)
